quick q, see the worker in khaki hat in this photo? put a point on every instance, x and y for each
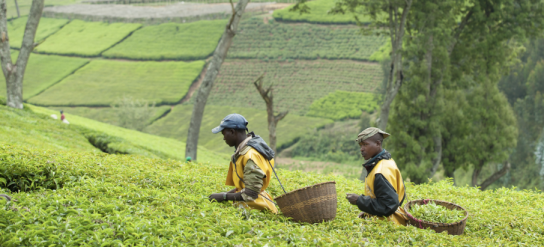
(384, 187)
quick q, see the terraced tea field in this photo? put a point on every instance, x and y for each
(47, 26)
(341, 105)
(318, 14)
(296, 84)
(171, 41)
(102, 82)
(82, 38)
(302, 41)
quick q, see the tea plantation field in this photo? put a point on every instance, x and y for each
(47, 27)
(89, 39)
(43, 71)
(171, 41)
(104, 81)
(296, 84)
(343, 105)
(176, 124)
(114, 200)
(318, 14)
(282, 41)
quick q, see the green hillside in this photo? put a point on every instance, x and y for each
(43, 71)
(319, 13)
(104, 81)
(176, 124)
(296, 84)
(283, 41)
(341, 105)
(171, 41)
(107, 114)
(88, 39)
(47, 26)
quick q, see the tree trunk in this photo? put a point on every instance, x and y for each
(14, 73)
(268, 98)
(475, 175)
(495, 176)
(396, 27)
(219, 56)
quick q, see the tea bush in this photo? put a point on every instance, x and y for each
(115, 200)
(47, 27)
(171, 41)
(43, 71)
(342, 105)
(318, 14)
(105, 80)
(88, 39)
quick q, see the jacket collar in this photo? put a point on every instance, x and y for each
(383, 155)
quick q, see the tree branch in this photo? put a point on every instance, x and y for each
(495, 176)
(459, 31)
(280, 116)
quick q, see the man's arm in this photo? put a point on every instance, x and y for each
(253, 179)
(386, 201)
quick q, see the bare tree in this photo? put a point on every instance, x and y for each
(14, 72)
(273, 120)
(211, 73)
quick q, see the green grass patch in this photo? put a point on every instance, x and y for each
(47, 26)
(155, 145)
(296, 84)
(280, 41)
(171, 41)
(133, 200)
(86, 38)
(176, 125)
(102, 82)
(24, 6)
(343, 105)
(43, 71)
(318, 14)
(107, 114)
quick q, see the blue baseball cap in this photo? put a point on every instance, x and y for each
(232, 121)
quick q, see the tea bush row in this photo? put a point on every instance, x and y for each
(171, 41)
(280, 41)
(87, 39)
(115, 200)
(296, 84)
(318, 14)
(342, 105)
(47, 27)
(104, 81)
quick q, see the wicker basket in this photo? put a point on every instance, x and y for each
(312, 204)
(456, 228)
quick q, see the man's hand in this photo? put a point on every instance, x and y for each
(219, 197)
(352, 198)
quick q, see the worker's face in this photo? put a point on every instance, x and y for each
(229, 136)
(369, 148)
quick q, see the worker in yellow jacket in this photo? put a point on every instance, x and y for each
(250, 167)
(384, 187)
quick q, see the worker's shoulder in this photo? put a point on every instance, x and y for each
(386, 165)
(249, 152)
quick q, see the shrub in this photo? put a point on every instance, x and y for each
(342, 105)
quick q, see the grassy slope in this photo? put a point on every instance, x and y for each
(318, 14)
(170, 147)
(86, 38)
(340, 105)
(104, 81)
(131, 200)
(107, 114)
(296, 84)
(43, 71)
(24, 6)
(47, 26)
(176, 125)
(174, 41)
(282, 41)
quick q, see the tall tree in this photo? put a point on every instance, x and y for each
(268, 97)
(14, 72)
(205, 88)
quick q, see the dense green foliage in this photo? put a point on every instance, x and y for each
(432, 212)
(305, 41)
(342, 105)
(47, 27)
(296, 84)
(171, 41)
(132, 200)
(43, 71)
(109, 115)
(175, 125)
(86, 38)
(104, 81)
(318, 13)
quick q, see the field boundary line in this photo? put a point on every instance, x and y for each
(123, 39)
